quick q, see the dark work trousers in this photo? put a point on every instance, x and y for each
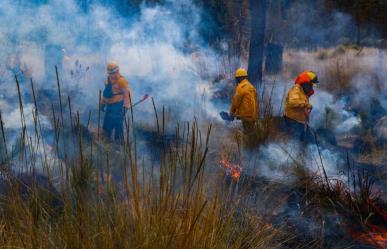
(249, 128)
(298, 130)
(113, 121)
(251, 133)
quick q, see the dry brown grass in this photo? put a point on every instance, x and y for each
(170, 203)
(336, 67)
(354, 199)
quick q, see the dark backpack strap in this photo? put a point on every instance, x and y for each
(108, 91)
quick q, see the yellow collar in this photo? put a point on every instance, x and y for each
(243, 82)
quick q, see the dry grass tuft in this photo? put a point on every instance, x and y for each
(110, 196)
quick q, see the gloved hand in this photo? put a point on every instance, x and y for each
(225, 116)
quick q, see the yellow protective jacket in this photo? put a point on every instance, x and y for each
(244, 103)
(296, 104)
(121, 92)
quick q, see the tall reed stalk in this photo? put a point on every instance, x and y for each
(107, 196)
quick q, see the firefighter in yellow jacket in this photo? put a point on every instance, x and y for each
(298, 107)
(244, 104)
(115, 103)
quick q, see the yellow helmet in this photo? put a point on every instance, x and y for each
(112, 68)
(240, 72)
(312, 76)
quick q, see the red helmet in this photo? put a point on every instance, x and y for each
(306, 80)
(307, 77)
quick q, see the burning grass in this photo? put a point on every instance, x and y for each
(356, 201)
(110, 196)
(101, 195)
(232, 170)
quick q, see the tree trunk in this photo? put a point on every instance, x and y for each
(358, 38)
(274, 60)
(257, 40)
(274, 36)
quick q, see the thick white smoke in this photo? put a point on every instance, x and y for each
(159, 51)
(279, 160)
(331, 113)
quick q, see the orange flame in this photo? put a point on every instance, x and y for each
(376, 239)
(233, 170)
(376, 234)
